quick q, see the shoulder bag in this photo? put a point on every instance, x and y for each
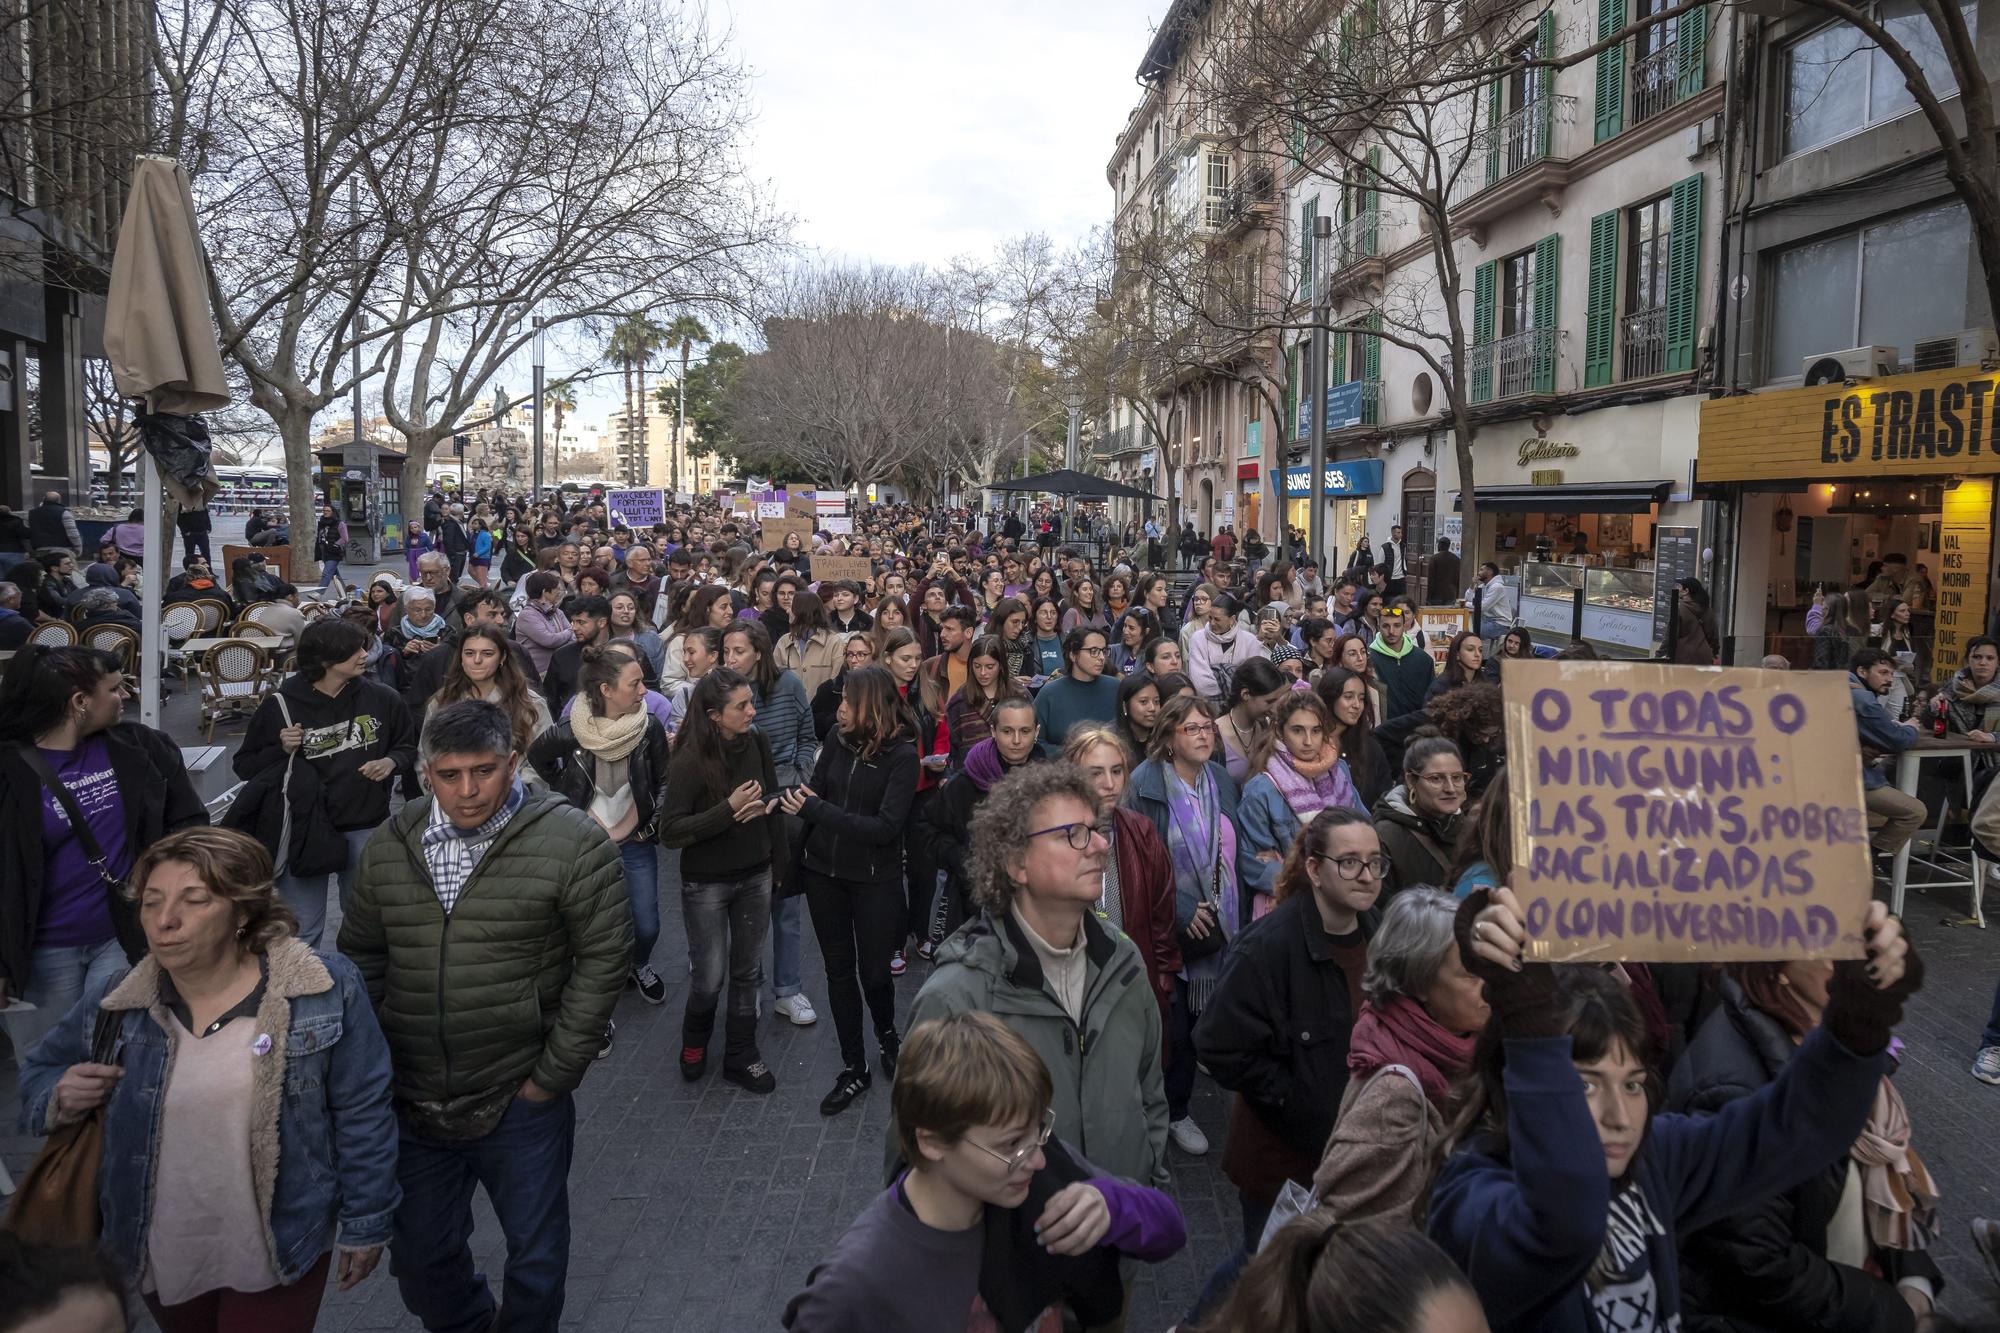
(56, 1203)
(1195, 948)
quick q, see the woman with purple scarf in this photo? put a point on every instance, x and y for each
(1295, 773)
(1192, 802)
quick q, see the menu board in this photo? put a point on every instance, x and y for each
(1966, 536)
(1676, 556)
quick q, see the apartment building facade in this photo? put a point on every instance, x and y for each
(1857, 341)
(1583, 213)
(699, 471)
(1199, 240)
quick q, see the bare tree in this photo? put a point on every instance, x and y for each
(867, 374)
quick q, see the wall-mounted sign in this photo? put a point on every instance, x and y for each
(1343, 408)
(1253, 439)
(1941, 421)
(1538, 450)
(1361, 476)
(1246, 471)
(1549, 476)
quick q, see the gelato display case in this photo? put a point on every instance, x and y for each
(1618, 611)
(1549, 594)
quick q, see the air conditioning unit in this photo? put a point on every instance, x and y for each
(1856, 363)
(1967, 347)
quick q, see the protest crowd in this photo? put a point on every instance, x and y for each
(1140, 809)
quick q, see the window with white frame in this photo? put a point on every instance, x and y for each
(1856, 289)
(1836, 81)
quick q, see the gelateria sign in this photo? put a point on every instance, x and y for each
(1534, 450)
(1941, 422)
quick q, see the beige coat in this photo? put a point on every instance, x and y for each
(815, 662)
(1378, 1159)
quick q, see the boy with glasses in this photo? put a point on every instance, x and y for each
(1084, 693)
(994, 1222)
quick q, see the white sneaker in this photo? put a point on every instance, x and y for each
(1187, 1136)
(797, 1008)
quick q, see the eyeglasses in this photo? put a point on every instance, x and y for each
(1087, 651)
(1196, 729)
(1442, 779)
(1077, 835)
(1350, 867)
(1019, 1157)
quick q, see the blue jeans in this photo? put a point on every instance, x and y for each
(307, 897)
(726, 921)
(1991, 1037)
(642, 886)
(1181, 1054)
(524, 1167)
(59, 974)
(329, 570)
(785, 926)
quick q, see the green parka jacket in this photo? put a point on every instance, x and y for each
(519, 979)
(1110, 1100)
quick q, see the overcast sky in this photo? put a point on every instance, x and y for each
(911, 131)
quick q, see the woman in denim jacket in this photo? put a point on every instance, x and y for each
(245, 1089)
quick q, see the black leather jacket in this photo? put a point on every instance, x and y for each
(571, 771)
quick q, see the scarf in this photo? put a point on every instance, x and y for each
(1898, 1196)
(1201, 843)
(1985, 698)
(1402, 1032)
(1310, 788)
(609, 738)
(984, 766)
(431, 629)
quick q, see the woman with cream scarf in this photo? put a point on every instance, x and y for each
(1296, 773)
(609, 757)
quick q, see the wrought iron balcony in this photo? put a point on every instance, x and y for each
(1520, 363)
(1526, 135)
(1643, 344)
(1653, 81)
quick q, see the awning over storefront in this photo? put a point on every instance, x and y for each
(1632, 497)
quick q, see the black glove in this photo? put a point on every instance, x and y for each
(1524, 1002)
(1862, 1017)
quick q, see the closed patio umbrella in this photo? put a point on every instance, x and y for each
(160, 336)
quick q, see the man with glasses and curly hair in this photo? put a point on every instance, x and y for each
(1038, 955)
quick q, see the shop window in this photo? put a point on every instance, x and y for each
(1853, 290)
(1836, 81)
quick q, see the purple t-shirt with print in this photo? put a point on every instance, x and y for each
(75, 910)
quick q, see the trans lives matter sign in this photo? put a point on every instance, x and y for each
(636, 509)
(829, 567)
(1676, 814)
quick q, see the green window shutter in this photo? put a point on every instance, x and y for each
(1308, 213)
(1496, 111)
(1299, 130)
(1611, 70)
(1484, 281)
(1684, 276)
(1292, 390)
(1371, 367)
(1336, 357)
(1601, 318)
(1371, 200)
(1548, 282)
(1691, 39)
(1346, 42)
(1545, 111)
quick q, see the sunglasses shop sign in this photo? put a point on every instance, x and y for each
(1684, 814)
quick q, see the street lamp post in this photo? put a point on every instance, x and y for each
(1073, 404)
(1316, 398)
(540, 368)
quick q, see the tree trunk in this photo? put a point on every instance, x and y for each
(628, 473)
(295, 429)
(642, 466)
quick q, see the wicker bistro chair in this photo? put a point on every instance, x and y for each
(117, 640)
(235, 677)
(179, 622)
(214, 615)
(55, 634)
(259, 617)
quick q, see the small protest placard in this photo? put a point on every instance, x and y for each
(770, 509)
(829, 567)
(801, 504)
(839, 525)
(1679, 814)
(775, 529)
(636, 509)
(1439, 624)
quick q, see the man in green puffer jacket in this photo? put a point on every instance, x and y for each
(494, 933)
(1040, 958)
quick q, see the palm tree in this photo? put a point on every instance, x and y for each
(687, 331)
(558, 397)
(633, 339)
